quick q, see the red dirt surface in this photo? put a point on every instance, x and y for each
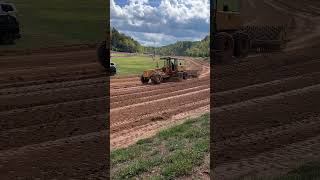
(139, 111)
(53, 116)
(266, 109)
(53, 113)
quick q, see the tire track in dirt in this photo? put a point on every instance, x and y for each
(115, 92)
(260, 120)
(281, 116)
(139, 111)
(265, 89)
(51, 131)
(303, 129)
(161, 104)
(153, 90)
(266, 111)
(141, 99)
(259, 76)
(127, 137)
(160, 115)
(21, 82)
(47, 113)
(286, 158)
(47, 59)
(46, 97)
(54, 85)
(52, 116)
(51, 75)
(48, 159)
(306, 24)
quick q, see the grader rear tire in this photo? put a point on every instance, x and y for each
(241, 44)
(185, 75)
(223, 46)
(144, 80)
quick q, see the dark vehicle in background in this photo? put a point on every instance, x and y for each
(102, 53)
(113, 69)
(9, 25)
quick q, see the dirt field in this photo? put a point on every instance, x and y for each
(139, 111)
(267, 108)
(53, 116)
(53, 110)
(52, 107)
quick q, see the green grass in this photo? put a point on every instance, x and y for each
(58, 22)
(309, 171)
(171, 153)
(134, 65)
(120, 54)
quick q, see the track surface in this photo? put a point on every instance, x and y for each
(266, 109)
(53, 116)
(52, 107)
(53, 113)
(138, 111)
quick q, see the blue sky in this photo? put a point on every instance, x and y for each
(161, 22)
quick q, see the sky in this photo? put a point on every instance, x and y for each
(161, 22)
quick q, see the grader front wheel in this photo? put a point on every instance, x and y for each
(156, 79)
(144, 80)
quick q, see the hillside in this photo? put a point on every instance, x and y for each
(123, 43)
(200, 48)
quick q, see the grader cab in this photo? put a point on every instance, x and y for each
(172, 68)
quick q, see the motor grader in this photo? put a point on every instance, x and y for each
(232, 40)
(172, 69)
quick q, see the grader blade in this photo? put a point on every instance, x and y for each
(266, 38)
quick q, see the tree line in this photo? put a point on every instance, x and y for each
(123, 43)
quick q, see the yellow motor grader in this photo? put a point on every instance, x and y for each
(231, 38)
(172, 69)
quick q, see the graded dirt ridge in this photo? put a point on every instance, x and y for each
(53, 115)
(138, 111)
(266, 110)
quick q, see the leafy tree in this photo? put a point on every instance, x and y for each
(122, 43)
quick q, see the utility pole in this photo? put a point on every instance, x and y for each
(154, 52)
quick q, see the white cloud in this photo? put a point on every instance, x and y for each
(172, 20)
